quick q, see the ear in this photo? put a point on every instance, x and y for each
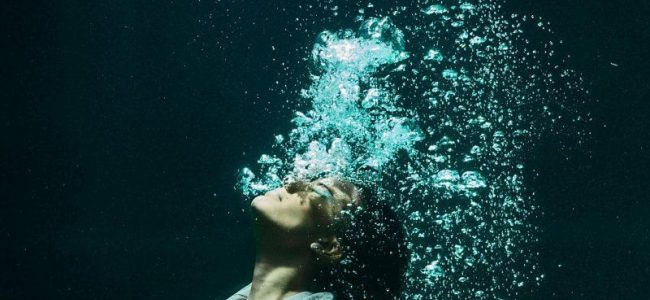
(327, 250)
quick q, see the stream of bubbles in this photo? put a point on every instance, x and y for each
(442, 125)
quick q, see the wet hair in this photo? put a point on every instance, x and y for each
(374, 252)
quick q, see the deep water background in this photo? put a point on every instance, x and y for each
(124, 122)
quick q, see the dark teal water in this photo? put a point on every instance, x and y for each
(125, 124)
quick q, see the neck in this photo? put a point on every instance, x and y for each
(278, 276)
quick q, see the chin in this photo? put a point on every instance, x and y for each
(261, 207)
(256, 201)
(261, 203)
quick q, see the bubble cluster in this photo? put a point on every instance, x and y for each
(439, 110)
(355, 125)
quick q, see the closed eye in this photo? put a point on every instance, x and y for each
(324, 191)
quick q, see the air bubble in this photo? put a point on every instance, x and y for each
(459, 184)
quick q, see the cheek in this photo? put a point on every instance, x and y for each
(300, 215)
(321, 215)
(289, 217)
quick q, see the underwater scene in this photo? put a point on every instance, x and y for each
(483, 149)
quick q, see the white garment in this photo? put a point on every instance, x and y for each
(245, 291)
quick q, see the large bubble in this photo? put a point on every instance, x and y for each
(442, 123)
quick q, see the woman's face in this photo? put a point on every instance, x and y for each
(303, 209)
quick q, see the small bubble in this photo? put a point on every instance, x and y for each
(435, 9)
(449, 74)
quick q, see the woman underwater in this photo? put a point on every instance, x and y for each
(325, 239)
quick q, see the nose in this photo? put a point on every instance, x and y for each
(277, 193)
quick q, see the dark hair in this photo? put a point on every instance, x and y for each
(374, 252)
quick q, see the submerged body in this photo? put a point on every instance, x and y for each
(321, 239)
